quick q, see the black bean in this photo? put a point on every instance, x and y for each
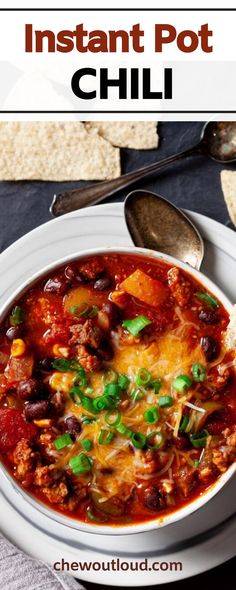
(29, 389)
(208, 317)
(46, 364)
(105, 351)
(70, 273)
(57, 402)
(37, 410)
(14, 332)
(102, 284)
(152, 499)
(71, 425)
(112, 311)
(56, 285)
(210, 348)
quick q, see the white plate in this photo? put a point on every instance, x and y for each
(201, 541)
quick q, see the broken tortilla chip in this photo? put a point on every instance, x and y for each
(228, 183)
(139, 135)
(55, 151)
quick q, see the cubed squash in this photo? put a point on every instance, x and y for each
(145, 288)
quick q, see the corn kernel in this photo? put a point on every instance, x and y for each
(44, 423)
(18, 347)
(61, 381)
(59, 350)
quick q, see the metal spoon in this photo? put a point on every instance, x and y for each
(153, 222)
(218, 141)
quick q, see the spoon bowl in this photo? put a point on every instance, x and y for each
(217, 141)
(156, 224)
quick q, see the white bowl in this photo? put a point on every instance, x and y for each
(159, 521)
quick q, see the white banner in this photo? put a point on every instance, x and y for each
(117, 64)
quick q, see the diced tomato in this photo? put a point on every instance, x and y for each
(19, 368)
(58, 333)
(13, 427)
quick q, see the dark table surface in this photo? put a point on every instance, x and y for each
(193, 184)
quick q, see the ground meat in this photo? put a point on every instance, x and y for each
(43, 476)
(186, 480)
(71, 503)
(220, 459)
(56, 493)
(47, 447)
(24, 458)
(179, 286)
(205, 474)
(230, 437)
(216, 380)
(91, 270)
(87, 333)
(88, 361)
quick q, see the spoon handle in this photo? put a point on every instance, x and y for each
(95, 193)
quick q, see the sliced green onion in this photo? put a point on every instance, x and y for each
(138, 440)
(84, 310)
(123, 382)
(122, 429)
(136, 395)
(103, 402)
(136, 325)
(151, 415)
(64, 365)
(75, 397)
(61, 364)
(113, 418)
(182, 383)
(17, 316)
(208, 299)
(198, 372)
(152, 436)
(93, 311)
(105, 436)
(80, 464)
(87, 444)
(63, 441)
(198, 439)
(155, 384)
(110, 376)
(165, 401)
(94, 518)
(75, 366)
(87, 420)
(196, 463)
(79, 310)
(143, 377)
(184, 423)
(80, 378)
(112, 389)
(86, 401)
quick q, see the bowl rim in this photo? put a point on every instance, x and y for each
(156, 522)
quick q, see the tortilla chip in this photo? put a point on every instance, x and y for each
(228, 183)
(230, 337)
(56, 151)
(138, 135)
